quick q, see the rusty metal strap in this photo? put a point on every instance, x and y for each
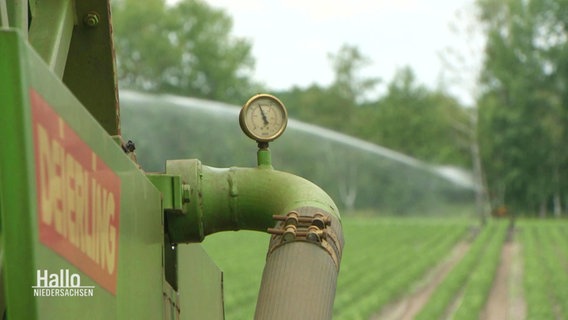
(316, 229)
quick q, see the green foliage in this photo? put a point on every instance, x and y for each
(322, 106)
(335, 106)
(347, 64)
(416, 121)
(524, 103)
(409, 118)
(185, 48)
(546, 281)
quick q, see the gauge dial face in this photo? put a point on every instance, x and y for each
(263, 118)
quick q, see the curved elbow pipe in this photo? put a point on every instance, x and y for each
(304, 254)
(238, 199)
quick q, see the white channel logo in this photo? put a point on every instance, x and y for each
(62, 284)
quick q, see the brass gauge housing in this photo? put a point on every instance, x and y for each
(263, 118)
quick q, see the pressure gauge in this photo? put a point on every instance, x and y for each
(263, 118)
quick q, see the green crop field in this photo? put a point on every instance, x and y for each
(388, 260)
(545, 253)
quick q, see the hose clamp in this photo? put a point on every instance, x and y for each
(314, 228)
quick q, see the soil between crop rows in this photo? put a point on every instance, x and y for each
(505, 300)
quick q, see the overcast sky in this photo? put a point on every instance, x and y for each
(292, 38)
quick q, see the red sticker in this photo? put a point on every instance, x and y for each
(78, 197)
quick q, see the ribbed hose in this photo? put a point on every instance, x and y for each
(298, 282)
(300, 276)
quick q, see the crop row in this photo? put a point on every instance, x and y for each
(478, 286)
(545, 251)
(389, 249)
(397, 258)
(465, 288)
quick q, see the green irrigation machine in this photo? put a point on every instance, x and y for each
(86, 233)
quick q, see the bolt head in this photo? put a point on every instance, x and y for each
(91, 19)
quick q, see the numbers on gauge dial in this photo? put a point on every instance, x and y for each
(265, 119)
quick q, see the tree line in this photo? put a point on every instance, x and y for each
(512, 137)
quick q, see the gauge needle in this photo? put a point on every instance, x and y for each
(263, 115)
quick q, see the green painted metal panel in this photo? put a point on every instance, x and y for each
(15, 181)
(46, 133)
(136, 292)
(200, 284)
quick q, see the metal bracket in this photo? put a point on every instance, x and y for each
(174, 193)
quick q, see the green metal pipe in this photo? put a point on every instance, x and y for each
(300, 275)
(238, 199)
